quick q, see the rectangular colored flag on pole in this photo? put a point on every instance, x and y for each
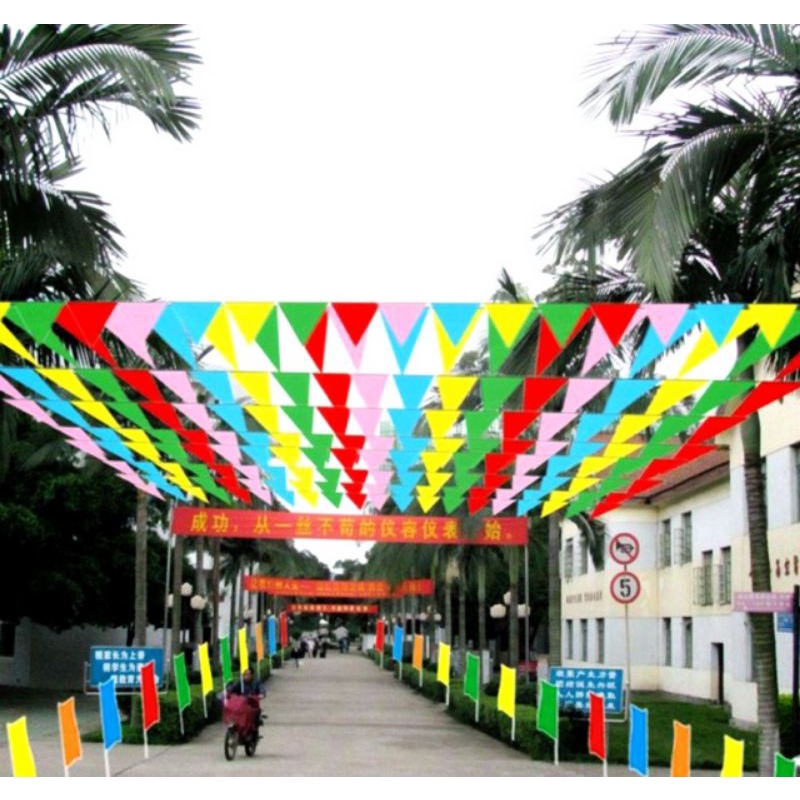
(22, 763)
(443, 667)
(418, 652)
(732, 758)
(206, 678)
(182, 682)
(225, 658)
(151, 708)
(507, 693)
(109, 714)
(638, 744)
(71, 748)
(681, 764)
(472, 677)
(597, 725)
(784, 767)
(244, 655)
(397, 643)
(380, 629)
(284, 629)
(547, 711)
(272, 644)
(259, 642)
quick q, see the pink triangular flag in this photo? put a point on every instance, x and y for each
(90, 448)
(33, 409)
(367, 419)
(664, 317)
(374, 459)
(599, 346)
(261, 492)
(8, 388)
(377, 497)
(520, 482)
(580, 391)
(131, 323)
(197, 414)
(178, 382)
(354, 349)
(380, 478)
(380, 442)
(502, 500)
(370, 387)
(147, 488)
(550, 423)
(401, 318)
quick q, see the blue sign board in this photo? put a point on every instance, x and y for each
(785, 622)
(575, 683)
(122, 664)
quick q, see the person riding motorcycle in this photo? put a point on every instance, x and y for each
(250, 688)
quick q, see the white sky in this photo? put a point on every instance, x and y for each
(361, 151)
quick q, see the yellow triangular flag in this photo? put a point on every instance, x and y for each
(266, 416)
(704, 349)
(508, 319)
(447, 445)
(135, 435)
(100, 412)
(9, 340)
(557, 499)
(250, 317)
(440, 421)
(433, 462)
(454, 388)
(22, 763)
(437, 479)
(443, 667)
(772, 320)
(288, 455)
(631, 424)
(427, 498)
(68, 380)
(244, 655)
(591, 465)
(196, 491)
(288, 439)
(618, 450)
(450, 350)
(733, 758)
(256, 384)
(219, 334)
(206, 680)
(507, 694)
(145, 449)
(578, 485)
(671, 393)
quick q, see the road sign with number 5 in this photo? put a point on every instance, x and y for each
(625, 587)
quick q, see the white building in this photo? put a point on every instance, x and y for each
(685, 636)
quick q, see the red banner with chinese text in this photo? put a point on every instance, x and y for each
(306, 587)
(254, 524)
(330, 608)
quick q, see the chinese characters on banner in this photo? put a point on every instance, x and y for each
(255, 524)
(330, 608)
(305, 587)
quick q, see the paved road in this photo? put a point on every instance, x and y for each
(339, 716)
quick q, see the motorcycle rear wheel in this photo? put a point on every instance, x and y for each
(250, 745)
(231, 742)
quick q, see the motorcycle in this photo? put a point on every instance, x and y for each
(243, 717)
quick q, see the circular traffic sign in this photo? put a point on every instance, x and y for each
(624, 548)
(625, 587)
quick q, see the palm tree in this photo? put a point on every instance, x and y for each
(708, 212)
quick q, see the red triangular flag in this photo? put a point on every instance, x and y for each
(355, 318)
(764, 394)
(478, 498)
(517, 447)
(346, 456)
(336, 386)
(85, 321)
(496, 462)
(151, 710)
(615, 318)
(537, 392)
(142, 381)
(337, 418)
(597, 726)
(315, 344)
(516, 422)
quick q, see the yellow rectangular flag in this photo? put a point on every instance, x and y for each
(206, 681)
(416, 656)
(507, 694)
(733, 758)
(22, 763)
(259, 641)
(244, 656)
(443, 667)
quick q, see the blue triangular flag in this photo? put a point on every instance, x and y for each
(401, 497)
(34, 381)
(718, 318)
(232, 415)
(218, 383)
(413, 388)
(650, 349)
(627, 391)
(528, 500)
(638, 742)
(590, 424)
(455, 318)
(403, 350)
(109, 714)
(403, 459)
(404, 420)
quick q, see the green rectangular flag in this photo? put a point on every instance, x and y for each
(472, 678)
(182, 682)
(547, 712)
(784, 767)
(225, 656)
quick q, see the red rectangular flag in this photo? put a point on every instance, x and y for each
(151, 709)
(284, 629)
(597, 725)
(379, 634)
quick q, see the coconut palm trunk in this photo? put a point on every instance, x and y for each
(483, 642)
(554, 589)
(513, 607)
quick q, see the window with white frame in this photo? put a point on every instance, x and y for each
(665, 544)
(724, 577)
(686, 538)
(601, 641)
(583, 556)
(584, 640)
(570, 651)
(667, 629)
(688, 644)
(569, 559)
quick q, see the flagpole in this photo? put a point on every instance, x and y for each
(146, 753)
(555, 760)
(205, 707)
(447, 696)
(478, 701)
(180, 717)
(513, 728)
(108, 766)
(66, 771)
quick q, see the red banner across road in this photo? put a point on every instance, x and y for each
(330, 608)
(305, 587)
(253, 524)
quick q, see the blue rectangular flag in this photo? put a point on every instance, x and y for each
(397, 645)
(109, 714)
(638, 742)
(272, 636)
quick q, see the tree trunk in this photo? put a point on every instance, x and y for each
(200, 589)
(482, 638)
(140, 588)
(448, 612)
(177, 580)
(215, 581)
(554, 589)
(762, 624)
(462, 617)
(513, 607)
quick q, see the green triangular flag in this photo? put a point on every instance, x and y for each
(104, 380)
(562, 318)
(547, 711)
(318, 456)
(784, 767)
(719, 392)
(452, 499)
(478, 422)
(759, 348)
(330, 492)
(267, 339)
(498, 349)
(37, 319)
(495, 390)
(302, 416)
(295, 384)
(673, 424)
(303, 317)
(182, 682)
(225, 657)
(132, 412)
(472, 677)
